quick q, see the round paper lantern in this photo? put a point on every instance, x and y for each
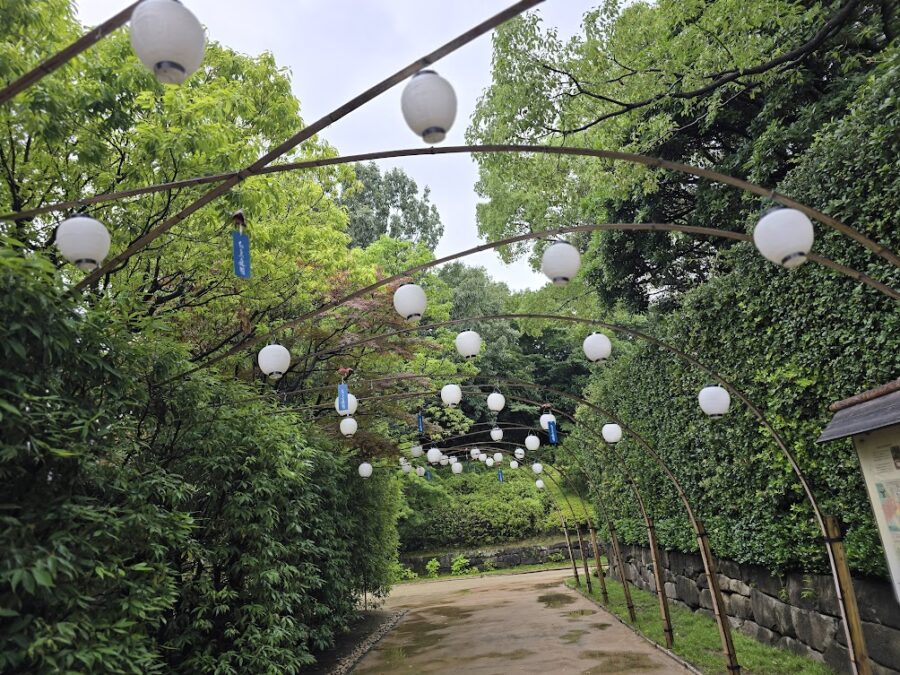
(451, 395)
(352, 404)
(428, 104)
(497, 434)
(498, 457)
(420, 471)
(482, 457)
(365, 469)
(167, 39)
(612, 433)
(83, 241)
(416, 451)
(489, 461)
(539, 484)
(454, 459)
(274, 360)
(410, 301)
(406, 468)
(520, 453)
(457, 468)
(468, 344)
(561, 262)
(445, 461)
(514, 464)
(597, 347)
(433, 455)
(714, 401)
(474, 452)
(403, 460)
(496, 401)
(784, 236)
(532, 442)
(546, 418)
(349, 426)
(537, 467)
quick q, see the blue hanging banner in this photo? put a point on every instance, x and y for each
(500, 475)
(421, 422)
(551, 430)
(343, 397)
(427, 474)
(240, 253)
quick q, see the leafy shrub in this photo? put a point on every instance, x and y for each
(400, 572)
(459, 566)
(489, 565)
(432, 568)
(556, 556)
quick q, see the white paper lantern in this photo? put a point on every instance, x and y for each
(612, 433)
(539, 484)
(420, 471)
(514, 464)
(349, 427)
(434, 455)
(482, 457)
(454, 459)
(403, 461)
(365, 469)
(474, 452)
(784, 236)
(561, 262)
(416, 451)
(546, 418)
(489, 461)
(714, 401)
(537, 467)
(457, 468)
(428, 103)
(497, 434)
(168, 39)
(451, 395)
(352, 405)
(445, 461)
(532, 442)
(468, 344)
(597, 347)
(496, 401)
(83, 241)
(274, 360)
(410, 301)
(406, 468)
(498, 457)
(520, 453)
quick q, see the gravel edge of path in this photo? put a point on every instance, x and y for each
(348, 663)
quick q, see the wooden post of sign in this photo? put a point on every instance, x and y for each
(584, 562)
(598, 564)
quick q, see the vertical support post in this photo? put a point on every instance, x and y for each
(562, 519)
(712, 578)
(660, 585)
(598, 564)
(584, 562)
(834, 539)
(620, 563)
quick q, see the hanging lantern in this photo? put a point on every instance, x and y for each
(546, 418)
(420, 471)
(514, 464)
(445, 461)
(365, 469)
(714, 401)
(468, 344)
(612, 433)
(539, 484)
(482, 457)
(597, 347)
(520, 453)
(454, 459)
(403, 461)
(167, 39)
(489, 462)
(784, 236)
(474, 452)
(83, 241)
(451, 395)
(532, 442)
(434, 455)
(416, 451)
(496, 401)
(497, 434)
(406, 468)
(428, 104)
(274, 360)
(457, 468)
(352, 405)
(349, 427)
(498, 457)
(410, 301)
(537, 467)
(561, 262)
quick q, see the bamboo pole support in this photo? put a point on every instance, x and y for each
(584, 561)
(599, 564)
(835, 541)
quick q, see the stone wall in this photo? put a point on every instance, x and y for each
(796, 612)
(500, 556)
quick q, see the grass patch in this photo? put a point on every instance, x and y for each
(697, 637)
(520, 569)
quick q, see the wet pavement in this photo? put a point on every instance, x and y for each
(525, 623)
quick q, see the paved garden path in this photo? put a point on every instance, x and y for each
(524, 623)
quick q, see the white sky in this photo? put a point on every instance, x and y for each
(335, 49)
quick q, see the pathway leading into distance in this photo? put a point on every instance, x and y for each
(522, 623)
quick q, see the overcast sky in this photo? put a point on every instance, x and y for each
(335, 49)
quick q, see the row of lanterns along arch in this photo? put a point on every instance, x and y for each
(169, 40)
